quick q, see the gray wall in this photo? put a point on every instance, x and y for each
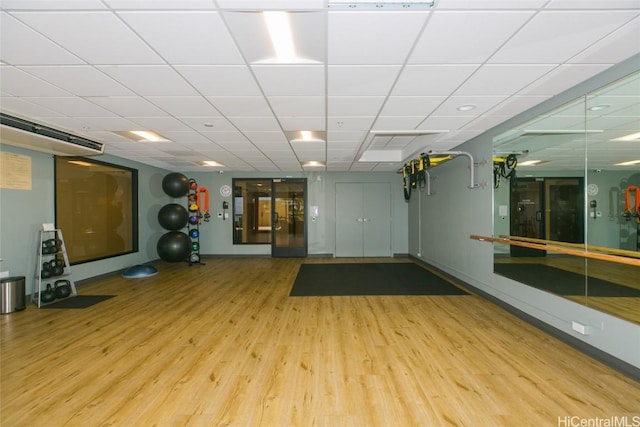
(446, 219)
(216, 235)
(23, 213)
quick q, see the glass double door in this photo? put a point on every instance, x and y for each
(548, 209)
(273, 212)
(289, 224)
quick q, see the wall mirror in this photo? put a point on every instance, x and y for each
(569, 180)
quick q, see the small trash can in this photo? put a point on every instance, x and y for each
(12, 294)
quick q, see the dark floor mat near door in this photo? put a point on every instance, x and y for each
(369, 279)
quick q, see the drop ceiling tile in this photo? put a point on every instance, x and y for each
(32, 49)
(105, 38)
(127, 106)
(255, 106)
(397, 123)
(255, 123)
(25, 107)
(302, 123)
(160, 124)
(609, 4)
(432, 80)
(160, 80)
(614, 48)
(109, 123)
(298, 80)
(261, 137)
(515, 105)
(169, 33)
(164, 4)
(293, 106)
(490, 4)
(411, 105)
(444, 123)
(562, 77)
(218, 80)
(229, 136)
(206, 124)
(361, 80)
(481, 103)
(381, 38)
(354, 105)
(185, 105)
(339, 137)
(16, 82)
(494, 80)
(349, 123)
(80, 80)
(488, 30)
(555, 37)
(49, 5)
(73, 106)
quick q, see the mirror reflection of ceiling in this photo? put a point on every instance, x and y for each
(608, 118)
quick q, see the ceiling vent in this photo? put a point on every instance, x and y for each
(25, 134)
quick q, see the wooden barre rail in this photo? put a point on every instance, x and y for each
(592, 248)
(575, 252)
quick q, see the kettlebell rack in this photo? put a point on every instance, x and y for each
(53, 271)
(193, 224)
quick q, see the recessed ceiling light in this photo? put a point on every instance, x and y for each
(280, 32)
(313, 164)
(467, 107)
(630, 163)
(630, 137)
(532, 163)
(148, 136)
(210, 163)
(599, 107)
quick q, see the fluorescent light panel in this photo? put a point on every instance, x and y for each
(630, 137)
(279, 29)
(630, 163)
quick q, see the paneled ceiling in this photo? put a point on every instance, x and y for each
(385, 80)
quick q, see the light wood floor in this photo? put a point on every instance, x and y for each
(224, 344)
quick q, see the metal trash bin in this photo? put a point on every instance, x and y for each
(12, 294)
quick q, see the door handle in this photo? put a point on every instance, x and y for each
(538, 216)
(359, 219)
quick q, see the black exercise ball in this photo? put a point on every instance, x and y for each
(173, 216)
(175, 184)
(174, 246)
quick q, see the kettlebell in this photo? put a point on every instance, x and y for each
(48, 294)
(62, 288)
(195, 246)
(193, 207)
(193, 233)
(194, 258)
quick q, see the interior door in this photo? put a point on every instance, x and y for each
(527, 219)
(289, 225)
(363, 220)
(564, 213)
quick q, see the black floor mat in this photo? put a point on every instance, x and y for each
(369, 279)
(563, 282)
(80, 301)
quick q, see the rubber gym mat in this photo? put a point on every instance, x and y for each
(80, 301)
(369, 279)
(562, 282)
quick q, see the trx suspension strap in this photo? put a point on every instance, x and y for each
(628, 210)
(205, 206)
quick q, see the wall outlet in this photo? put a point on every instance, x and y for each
(580, 328)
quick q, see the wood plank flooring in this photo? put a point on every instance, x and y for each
(223, 344)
